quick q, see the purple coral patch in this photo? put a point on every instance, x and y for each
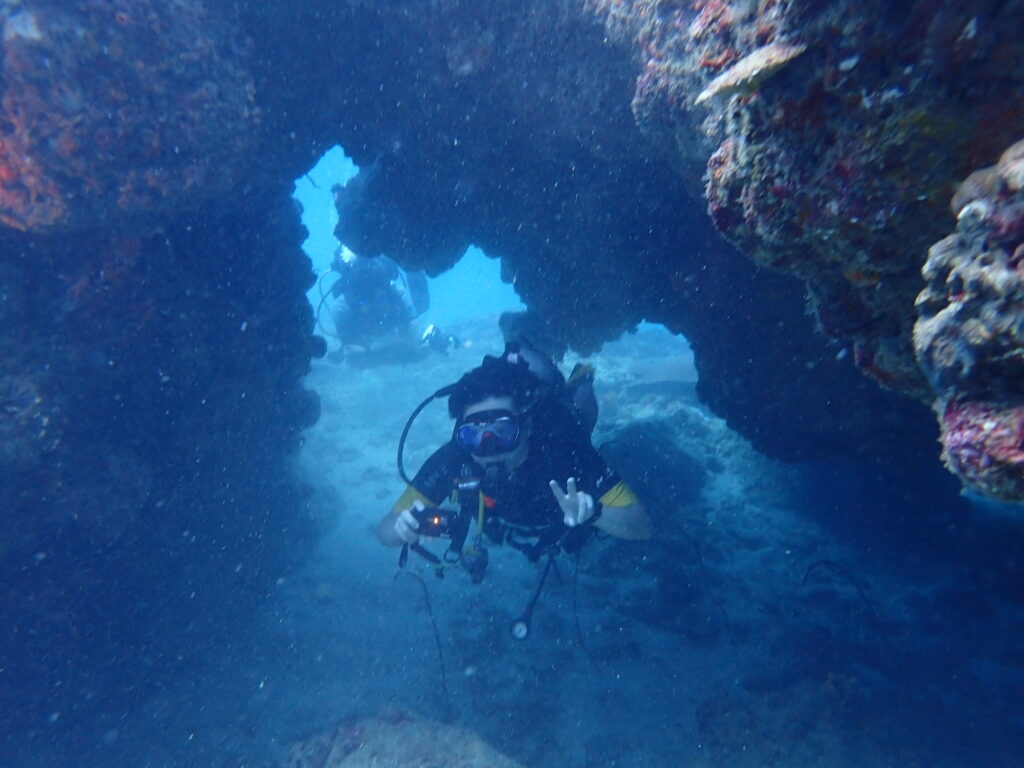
(984, 445)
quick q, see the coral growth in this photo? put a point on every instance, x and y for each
(983, 442)
(969, 336)
(831, 133)
(746, 75)
(118, 108)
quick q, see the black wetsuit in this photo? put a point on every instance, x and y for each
(520, 508)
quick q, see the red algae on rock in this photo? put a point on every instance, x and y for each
(983, 443)
(118, 108)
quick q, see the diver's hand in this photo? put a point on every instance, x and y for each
(577, 506)
(406, 524)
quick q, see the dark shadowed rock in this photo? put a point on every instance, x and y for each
(152, 395)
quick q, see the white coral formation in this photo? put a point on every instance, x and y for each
(969, 336)
(749, 72)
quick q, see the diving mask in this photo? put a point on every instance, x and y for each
(489, 433)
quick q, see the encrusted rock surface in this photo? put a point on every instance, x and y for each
(592, 222)
(119, 108)
(832, 133)
(832, 157)
(151, 393)
(153, 341)
(969, 335)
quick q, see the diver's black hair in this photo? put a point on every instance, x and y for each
(505, 376)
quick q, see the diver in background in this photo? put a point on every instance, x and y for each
(376, 304)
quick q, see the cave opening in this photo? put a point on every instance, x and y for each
(189, 565)
(471, 291)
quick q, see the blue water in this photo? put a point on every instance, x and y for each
(830, 614)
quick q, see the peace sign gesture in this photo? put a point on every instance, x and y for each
(577, 506)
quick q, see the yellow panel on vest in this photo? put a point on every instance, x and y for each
(409, 495)
(619, 495)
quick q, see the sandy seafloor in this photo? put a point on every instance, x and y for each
(678, 631)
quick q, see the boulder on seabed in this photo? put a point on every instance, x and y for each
(399, 741)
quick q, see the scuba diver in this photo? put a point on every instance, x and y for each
(520, 470)
(376, 304)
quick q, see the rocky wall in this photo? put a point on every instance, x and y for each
(119, 108)
(152, 394)
(824, 139)
(154, 338)
(969, 335)
(837, 131)
(832, 135)
(539, 161)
